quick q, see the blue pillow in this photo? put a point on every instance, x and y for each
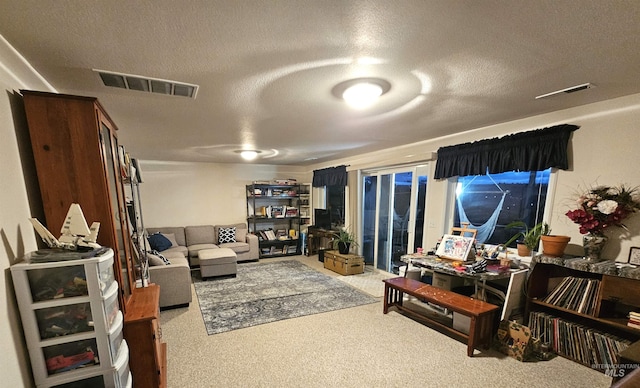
(159, 242)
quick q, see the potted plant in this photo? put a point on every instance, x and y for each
(530, 238)
(554, 245)
(343, 240)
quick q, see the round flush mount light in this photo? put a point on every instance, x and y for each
(360, 93)
(248, 154)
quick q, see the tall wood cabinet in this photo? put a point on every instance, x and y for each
(75, 147)
(76, 153)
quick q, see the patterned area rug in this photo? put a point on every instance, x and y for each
(269, 292)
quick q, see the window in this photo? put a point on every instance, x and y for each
(335, 204)
(489, 202)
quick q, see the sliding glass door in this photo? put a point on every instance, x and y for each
(392, 215)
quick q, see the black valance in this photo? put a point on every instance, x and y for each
(525, 151)
(332, 176)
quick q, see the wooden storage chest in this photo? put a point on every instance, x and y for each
(344, 264)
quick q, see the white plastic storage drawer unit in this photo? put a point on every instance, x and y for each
(71, 318)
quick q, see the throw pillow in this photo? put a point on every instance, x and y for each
(171, 237)
(161, 256)
(154, 260)
(227, 235)
(159, 242)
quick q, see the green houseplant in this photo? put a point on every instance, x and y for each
(530, 238)
(343, 240)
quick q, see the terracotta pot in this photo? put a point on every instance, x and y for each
(553, 245)
(523, 250)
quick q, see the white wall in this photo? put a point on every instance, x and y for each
(182, 194)
(17, 237)
(603, 150)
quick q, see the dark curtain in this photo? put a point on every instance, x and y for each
(332, 176)
(525, 151)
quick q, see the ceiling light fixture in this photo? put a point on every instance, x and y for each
(248, 154)
(360, 93)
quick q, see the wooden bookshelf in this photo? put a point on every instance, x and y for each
(574, 334)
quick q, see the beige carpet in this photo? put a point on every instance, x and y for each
(354, 347)
(370, 281)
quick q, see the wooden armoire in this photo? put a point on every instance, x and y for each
(78, 160)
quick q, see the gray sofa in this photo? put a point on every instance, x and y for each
(192, 239)
(175, 279)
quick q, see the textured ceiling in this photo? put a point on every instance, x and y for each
(266, 68)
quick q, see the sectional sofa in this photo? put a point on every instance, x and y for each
(174, 279)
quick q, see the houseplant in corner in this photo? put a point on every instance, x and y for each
(529, 239)
(343, 240)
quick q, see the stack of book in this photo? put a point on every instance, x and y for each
(634, 320)
(577, 294)
(266, 235)
(576, 341)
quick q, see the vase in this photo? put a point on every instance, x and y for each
(593, 245)
(344, 247)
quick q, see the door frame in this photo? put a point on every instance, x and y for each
(416, 170)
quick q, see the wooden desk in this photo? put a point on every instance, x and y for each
(481, 313)
(319, 238)
(147, 352)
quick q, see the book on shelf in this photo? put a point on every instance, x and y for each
(573, 293)
(576, 341)
(634, 320)
(553, 296)
(291, 211)
(277, 212)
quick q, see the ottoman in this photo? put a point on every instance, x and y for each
(217, 262)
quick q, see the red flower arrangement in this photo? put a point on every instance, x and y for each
(602, 207)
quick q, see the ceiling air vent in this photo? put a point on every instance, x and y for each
(147, 84)
(572, 89)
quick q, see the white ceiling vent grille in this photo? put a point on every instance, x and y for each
(572, 89)
(147, 84)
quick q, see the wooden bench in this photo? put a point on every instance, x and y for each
(481, 313)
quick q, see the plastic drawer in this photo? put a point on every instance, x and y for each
(63, 320)
(121, 373)
(118, 376)
(89, 382)
(59, 282)
(116, 335)
(70, 355)
(110, 304)
(106, 276)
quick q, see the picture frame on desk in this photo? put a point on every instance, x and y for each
(455, 247)
(634, 256)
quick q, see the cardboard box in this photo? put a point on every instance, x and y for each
(343, 264)
(446, 282)
(514, 339)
